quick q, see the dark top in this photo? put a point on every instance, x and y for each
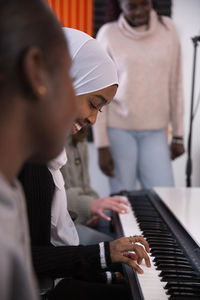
(63, 261)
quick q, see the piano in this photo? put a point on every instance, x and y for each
(170, 221)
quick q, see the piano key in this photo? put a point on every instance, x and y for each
(166, 247)
(161, 239)
(172, 277)
(174, 297)
(166, 252)
(183, 290)
(163, 244)
(185, 295)
(177, 297)
(164, 267)
(170, 261)
(158, 233)
(183, 284)
(146, 213)
(164, 256)
(177, 272)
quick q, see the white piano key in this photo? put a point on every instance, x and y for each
(151, 286)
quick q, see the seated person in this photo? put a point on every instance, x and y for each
(81, 198)
(81, 266)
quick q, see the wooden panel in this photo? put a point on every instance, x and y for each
(74, 13)
(89, 12)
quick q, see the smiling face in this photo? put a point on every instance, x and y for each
(90, 104)
(136, 12)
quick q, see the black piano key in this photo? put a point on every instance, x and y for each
(164, 267)
(170, 261)
(183, 290)
(141, 208)
(150, 219)
(148, 213)
(163, 244)
(166, 247)
(152, 225)
(166, 252)
(193, 285)
(156, 233)
(187, 294)
(164, 256)
(181, 297)
(161, 239)
(172, 277)
(179, 261)
(177, 272)
(146, 209)
(156, 228)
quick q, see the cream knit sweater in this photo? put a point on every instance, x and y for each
(148, 62)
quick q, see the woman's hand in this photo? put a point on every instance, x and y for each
(112, 203)
(120, 252)
(177, 149)
(106, 163)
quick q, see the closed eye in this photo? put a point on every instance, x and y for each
(94, 107)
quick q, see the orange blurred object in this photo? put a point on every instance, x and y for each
(76, 14)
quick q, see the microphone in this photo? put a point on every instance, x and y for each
(196, 39)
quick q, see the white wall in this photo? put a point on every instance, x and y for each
(186, 14)
(98, 181)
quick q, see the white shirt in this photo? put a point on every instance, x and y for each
(63, 231)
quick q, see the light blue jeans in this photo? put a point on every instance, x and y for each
(140, 155)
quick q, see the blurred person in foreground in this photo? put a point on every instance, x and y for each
(37, 107)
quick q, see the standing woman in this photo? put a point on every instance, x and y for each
(131, 133)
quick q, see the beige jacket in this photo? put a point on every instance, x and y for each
(77, 181)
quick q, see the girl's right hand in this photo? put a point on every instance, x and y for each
(126, 250)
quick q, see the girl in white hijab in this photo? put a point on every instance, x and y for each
(95, 80)
(95, 83)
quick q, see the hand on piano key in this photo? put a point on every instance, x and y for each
(117, 204)
(120, 252)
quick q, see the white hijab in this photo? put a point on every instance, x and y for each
(92, 70)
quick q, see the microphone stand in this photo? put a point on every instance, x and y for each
(195, 41)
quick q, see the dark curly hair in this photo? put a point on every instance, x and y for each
(113, 10)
